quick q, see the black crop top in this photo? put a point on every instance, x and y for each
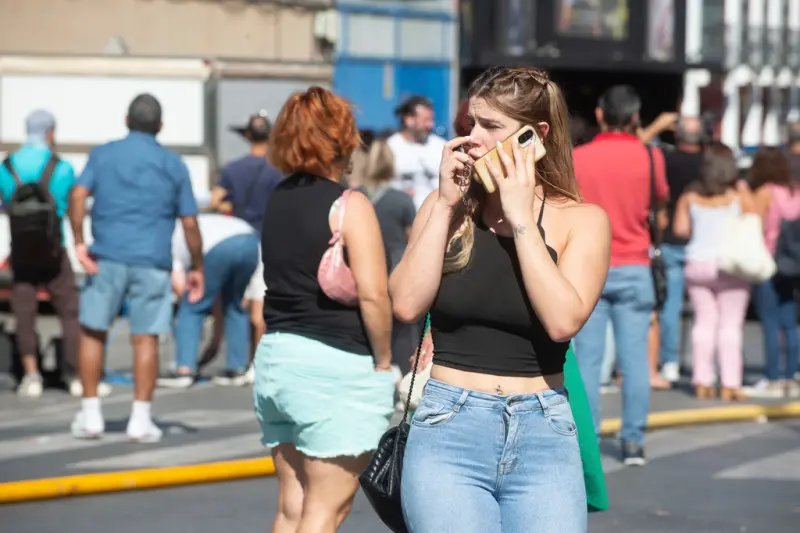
(295, 235)
(482, 320)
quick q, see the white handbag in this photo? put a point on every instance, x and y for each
(743, 252)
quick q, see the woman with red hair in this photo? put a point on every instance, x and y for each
(324, 388)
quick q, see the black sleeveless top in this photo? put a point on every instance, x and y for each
(482, 320)
(294, 237)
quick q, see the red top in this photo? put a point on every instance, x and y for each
(613, 171)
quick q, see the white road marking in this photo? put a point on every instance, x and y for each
(671, 442)
(778, 467)
(216, 450)
(63, 441)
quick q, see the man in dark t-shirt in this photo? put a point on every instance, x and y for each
(244, 187)
(682, 168)
(395, 211)
(245, 184)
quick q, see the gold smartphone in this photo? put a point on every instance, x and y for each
(526, 136)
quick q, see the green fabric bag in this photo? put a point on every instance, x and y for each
(593, 476)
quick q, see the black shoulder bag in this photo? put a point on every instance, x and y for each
(657, 266)
(382, 477)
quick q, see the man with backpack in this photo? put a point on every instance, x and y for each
(35, 185)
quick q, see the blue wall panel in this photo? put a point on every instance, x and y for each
(362, 82)
(430, 80)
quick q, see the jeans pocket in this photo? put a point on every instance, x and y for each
(560, 419)
(430, 413)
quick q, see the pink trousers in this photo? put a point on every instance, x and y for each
(719, 302)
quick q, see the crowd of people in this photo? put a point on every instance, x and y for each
(325, 249)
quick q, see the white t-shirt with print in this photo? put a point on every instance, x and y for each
(416, 165)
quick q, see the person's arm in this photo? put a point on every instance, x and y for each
(415, 280)
(662, 189)
(77, 213)
(365, 251)
(220, 194)
(187, 213)
(563, 295)
(180, 260)
(664, 122)
(747, 199)
(762, 199)
(682, 223)
(61, 187)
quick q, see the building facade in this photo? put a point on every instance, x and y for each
(256, 52)
(388, 50)
(259, 30)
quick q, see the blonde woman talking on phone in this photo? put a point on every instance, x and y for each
(509, 277)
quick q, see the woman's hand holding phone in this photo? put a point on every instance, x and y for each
(516, 184)
(453, 164)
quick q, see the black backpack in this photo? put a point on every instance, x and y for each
(35, 225)
(787, 251)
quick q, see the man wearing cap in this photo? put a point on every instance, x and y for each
(30, 164)
(139, 189)
(244, 187)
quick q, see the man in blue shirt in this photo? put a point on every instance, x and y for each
(139, 189)
(30, 163)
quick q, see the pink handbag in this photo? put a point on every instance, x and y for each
(334, 276)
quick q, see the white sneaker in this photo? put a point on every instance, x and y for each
(766, 389)
(76, 388)
(250, 375)
(671, 372)
(143, 431)
(173, 380)
(88, 425)
(231, 378)
(30, 387)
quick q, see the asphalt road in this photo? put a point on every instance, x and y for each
(716, 479)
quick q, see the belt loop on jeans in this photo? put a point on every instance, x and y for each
(461, 400)
(543, 403)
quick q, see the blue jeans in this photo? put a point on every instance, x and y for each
(777, 310)
(670, 317)
(481, 463)
(227, 268)
(628, 299)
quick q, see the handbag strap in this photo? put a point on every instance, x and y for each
(652, 219)
(340, 210)
(414, 370)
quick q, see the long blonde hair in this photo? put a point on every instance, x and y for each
(380, 162)
(529, 96)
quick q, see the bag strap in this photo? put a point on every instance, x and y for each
(652, 219)
(414, 370)
(341, 209)
(10, 169)
(49, 170)
(380, 194)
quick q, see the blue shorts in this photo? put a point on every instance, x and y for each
(146, 290)
(328, 402)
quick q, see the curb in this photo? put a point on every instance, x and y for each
(709, 415)
(62, 487)
(128, 480)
